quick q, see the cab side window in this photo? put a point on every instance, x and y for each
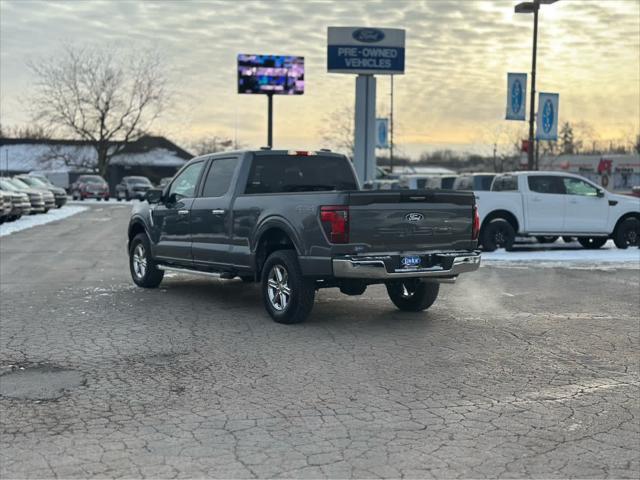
(546, 184)
(576, 186)
(184, 185)
(219, 177)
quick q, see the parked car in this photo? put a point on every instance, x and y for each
(19, 200)
(59, 194)
(416, 181)
(6, 206)
(132, 187)
(296, 221)
(164, 182)
(90, 186)
(383, 184)
(47, 197)
(36, 198)
(553, 204)
(477, 182)
(447, 181)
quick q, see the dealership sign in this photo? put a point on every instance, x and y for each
(365, 50)
(547, 126)
(516, 96)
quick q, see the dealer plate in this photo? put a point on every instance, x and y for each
(410, 261)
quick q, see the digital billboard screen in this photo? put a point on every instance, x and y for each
(271, 74)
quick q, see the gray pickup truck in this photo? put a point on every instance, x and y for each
(296, 221)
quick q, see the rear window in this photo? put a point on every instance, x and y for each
(138, 180)
(507, 183)
(292, 173)
(483, 182)
(546, 184)
(91, 179)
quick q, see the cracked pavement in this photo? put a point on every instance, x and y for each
(514, 372)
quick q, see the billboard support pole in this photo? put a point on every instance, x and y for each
(270, 120)
(365, 128)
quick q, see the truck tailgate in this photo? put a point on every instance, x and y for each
(411, 220)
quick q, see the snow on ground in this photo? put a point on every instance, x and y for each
(561, 254)
(29, 221)
(95, 201)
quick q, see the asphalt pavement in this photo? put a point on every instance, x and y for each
(516, 371)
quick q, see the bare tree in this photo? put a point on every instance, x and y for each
(337, 130)
(210, 144)
(101, 95)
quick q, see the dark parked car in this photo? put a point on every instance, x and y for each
(90, 186)
(296, 222)
(59, 194)
(132, 187)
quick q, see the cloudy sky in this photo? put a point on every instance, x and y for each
(452, 93)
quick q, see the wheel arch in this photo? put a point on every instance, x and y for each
(623, 217)
(272, 236)
(505, 214)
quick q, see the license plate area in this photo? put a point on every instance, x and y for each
(410, 262)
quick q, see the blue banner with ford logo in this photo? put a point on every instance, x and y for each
(516, 96)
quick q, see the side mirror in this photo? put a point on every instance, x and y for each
(600, 193)
(153, 195)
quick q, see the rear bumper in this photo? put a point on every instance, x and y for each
(444, 265)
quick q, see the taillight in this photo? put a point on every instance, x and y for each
(475, 230)
(335, 221)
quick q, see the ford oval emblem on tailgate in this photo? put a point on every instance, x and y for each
(413, 217)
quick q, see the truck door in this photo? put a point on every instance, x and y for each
(545, 204)
(586, 210)
(171, 218)
(211, 214)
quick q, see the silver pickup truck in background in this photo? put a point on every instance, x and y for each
(296, 221)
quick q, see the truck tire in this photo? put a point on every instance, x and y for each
(144, 271)
(288, 296)
(547, 239)
(627, 234)
(592, 243)
(498, 233)
(413, 295)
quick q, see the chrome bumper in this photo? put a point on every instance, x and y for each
(377, 268)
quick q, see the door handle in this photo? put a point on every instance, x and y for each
(536, 199)
(183, 212)
(218, 211)
(573, 201)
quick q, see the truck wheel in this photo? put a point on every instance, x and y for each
(547, 239)
(413, 295)
(144, 271)
(592, 243)
(287, 295)
(627, 234)
(498, 233)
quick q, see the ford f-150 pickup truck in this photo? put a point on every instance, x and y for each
(296, 221)
(552, 204)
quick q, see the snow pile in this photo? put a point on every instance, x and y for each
(565, 255)
(29, 221)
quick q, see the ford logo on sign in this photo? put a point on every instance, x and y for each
(547, 116)
(516, 97)
(413, 217)
(368, 35)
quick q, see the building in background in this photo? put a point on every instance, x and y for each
(616, 172)
(64, 160)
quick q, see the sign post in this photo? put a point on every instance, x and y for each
(365, 52)
(270, 75)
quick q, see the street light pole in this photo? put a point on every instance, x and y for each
(532, 103)
(532, 7)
